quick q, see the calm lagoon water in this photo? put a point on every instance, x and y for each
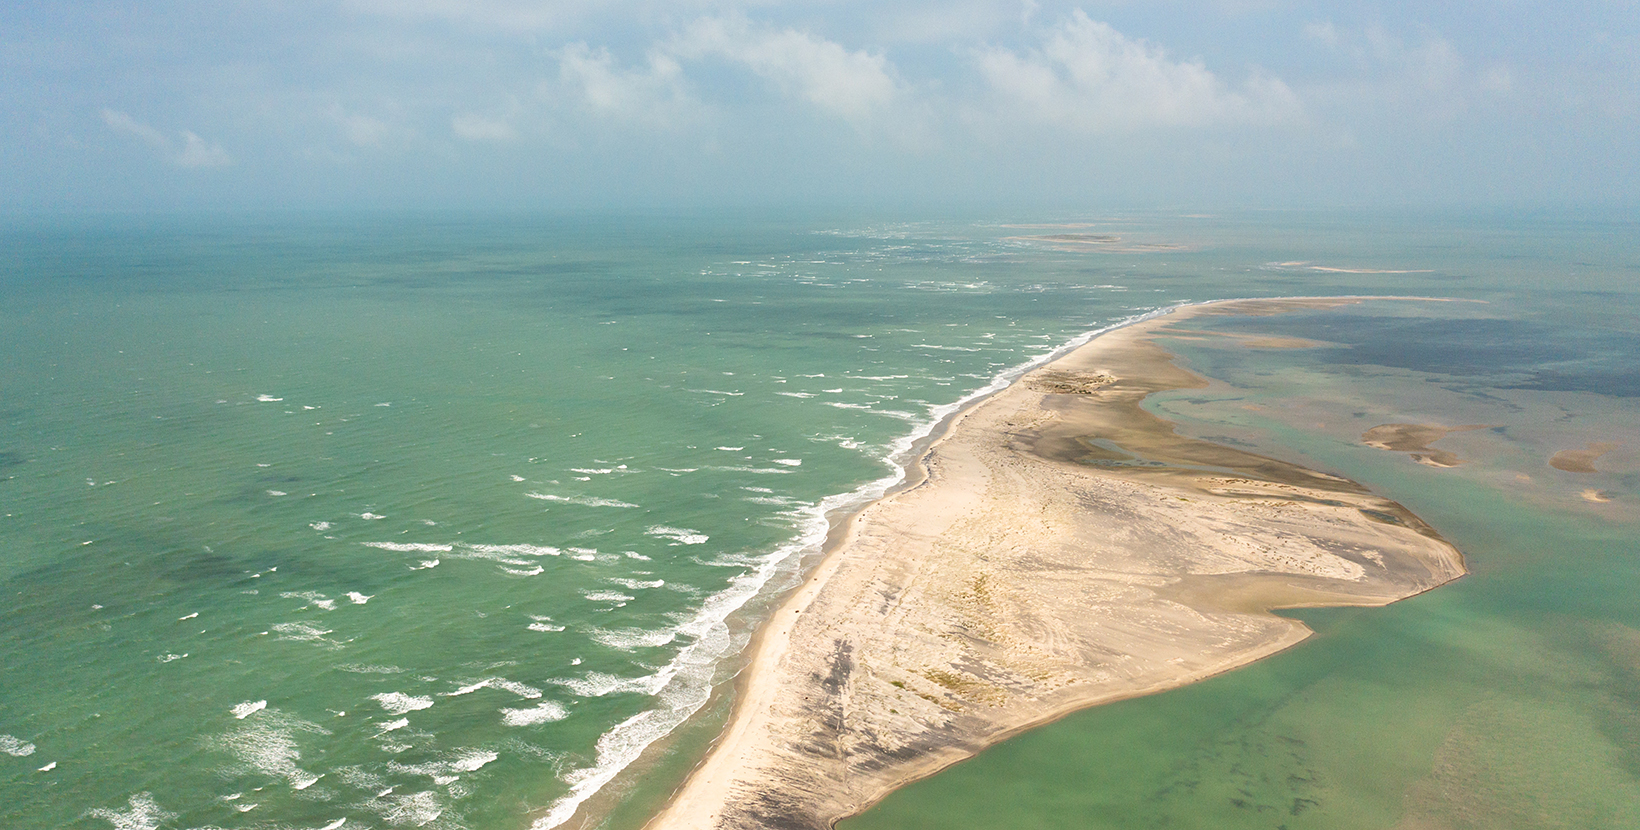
(442, 521)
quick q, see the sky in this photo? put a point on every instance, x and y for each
(177, 105)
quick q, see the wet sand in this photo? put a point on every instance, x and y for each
(1062, 547)
(1581, 461)
(1416, 440)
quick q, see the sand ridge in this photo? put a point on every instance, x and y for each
(1063, 547)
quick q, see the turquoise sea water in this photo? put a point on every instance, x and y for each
(441, 521)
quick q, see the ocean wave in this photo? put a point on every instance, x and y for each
(365, 668)
(632, 639)
(515, 550)
(409, 547)
(584, 501)
(15, 747)
(302, 632)
(637, 584)
(546, 711)
(398, 703)
(678, 535)
(267, 744)
(599, 684)
(522, 690)
(448, 769)
(142, 813)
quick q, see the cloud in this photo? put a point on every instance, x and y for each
(653, 94)
(192, 151)
(1427, 76)
(364, 130)
(475, 127)
(856, 86)
(1091, 78)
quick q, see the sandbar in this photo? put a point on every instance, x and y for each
(1416, 439)
(1058, 546)
(1581, 461)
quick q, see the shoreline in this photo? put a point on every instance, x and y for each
(816, 732)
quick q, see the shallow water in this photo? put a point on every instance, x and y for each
(438, 521)
(1506, 699)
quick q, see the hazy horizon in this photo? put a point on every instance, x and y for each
(700, 104)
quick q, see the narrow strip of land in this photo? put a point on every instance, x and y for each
(1065, 547)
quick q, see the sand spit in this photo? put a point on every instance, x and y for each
(1416, 439)
(1062, 547)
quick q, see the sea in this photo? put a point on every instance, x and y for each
(323, 521)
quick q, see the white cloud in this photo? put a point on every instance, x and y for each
(1089, 77)
(1427, 76)
(652, 94)
(856, 86)
(474, 127)
(191, 151)
(362, 130)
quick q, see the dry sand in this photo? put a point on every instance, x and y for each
(1061, 547)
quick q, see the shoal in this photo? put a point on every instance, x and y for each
(1062, 547)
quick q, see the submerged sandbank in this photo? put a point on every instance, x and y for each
(1064, 547)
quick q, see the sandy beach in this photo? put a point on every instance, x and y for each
(1059, 547)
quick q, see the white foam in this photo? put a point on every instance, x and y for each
(447, 770)
(684, 684)
(48, 767)
(335, 825)
(143, 814)
(731, 449)
(599, 684)
(789, 462)
(302, 632)
(796, 394)
(15, 747)
(630, 639)
(397, 703)
(321, 527)
(167, 658)
(248, 708)
(413, 810)
(637, 584)
(409, 547)
(535, 571)
(516, 478)
(393, 725)
(188, 616)
(359, 599)
(584, 501)
(607, 596)
(314, 598)
(679, 535)
(267, 744)
(587, 471)
(515, 550)
(366, 668)
(546, 711)
(424, 565)
(545, 627)
(520, 689)
(266, 398)
(368, 516)
(277, 493)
